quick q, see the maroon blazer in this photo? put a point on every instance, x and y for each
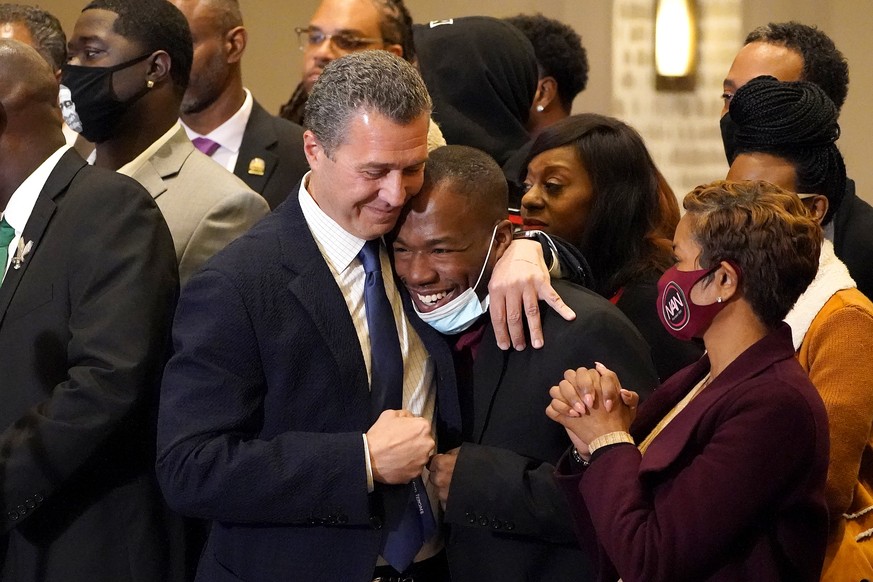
(732, 489)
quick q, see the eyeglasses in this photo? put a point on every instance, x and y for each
(309, 37)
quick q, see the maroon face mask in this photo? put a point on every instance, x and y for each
(680, 316)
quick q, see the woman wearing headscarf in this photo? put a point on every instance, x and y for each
(481, 73)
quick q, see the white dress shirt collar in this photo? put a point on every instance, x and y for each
(20, 206)
(24, 198)
(228, 135)
(338, 246)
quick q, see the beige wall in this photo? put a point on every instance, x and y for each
(680, 128)
(272, 65)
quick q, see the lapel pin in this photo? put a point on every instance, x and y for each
(257, 167)
(21, 253)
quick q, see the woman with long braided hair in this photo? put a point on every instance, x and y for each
(786, 134)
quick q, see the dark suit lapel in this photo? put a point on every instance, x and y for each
(316, 290)
(490, 365)
(256, 161)
(58, 181)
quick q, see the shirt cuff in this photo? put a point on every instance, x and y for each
(370, 485)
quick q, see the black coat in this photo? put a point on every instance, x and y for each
(509, 521)
(853, 238)
(278, 143)
(84, 330)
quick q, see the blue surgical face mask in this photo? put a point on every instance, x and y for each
(461, 312)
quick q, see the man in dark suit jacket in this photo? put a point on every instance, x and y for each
(266, 425)
(85, 308)
(508, 520)
(264, 151)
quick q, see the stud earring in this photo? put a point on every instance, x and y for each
(719, 300)
(150, 83)
(540, 108)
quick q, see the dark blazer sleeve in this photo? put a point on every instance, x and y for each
(519, 488)
(107, 263)
(518, 491)
(215, 460)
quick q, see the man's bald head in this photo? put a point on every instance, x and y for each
(219, 43)
(30, 119)
(26, 79)
(224, 15)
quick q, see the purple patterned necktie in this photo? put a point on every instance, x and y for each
(206, 146)
(409, 520)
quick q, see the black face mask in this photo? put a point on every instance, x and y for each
(729, 137)
(94, 99)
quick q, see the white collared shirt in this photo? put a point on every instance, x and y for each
(70, 136)
(340, 251)
(24, 198)
(131, 167)
(228, 135)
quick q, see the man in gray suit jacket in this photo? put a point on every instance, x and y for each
(264, 151)
(128, 70)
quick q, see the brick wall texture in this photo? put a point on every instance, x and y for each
(680, 128)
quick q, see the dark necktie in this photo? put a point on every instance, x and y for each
(7, 233)
(205, 145)
(409, 521)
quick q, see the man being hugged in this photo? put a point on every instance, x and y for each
(508, 520)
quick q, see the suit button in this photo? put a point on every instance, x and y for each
(497, 524)
(343, 518)
(471, 517)
(313, 521)
(376, 522)
(30, 503)
(38, 498)
(13, 515)
(22, 510)
(509, 526)
(483, 521)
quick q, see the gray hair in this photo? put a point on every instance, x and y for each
(373, 80)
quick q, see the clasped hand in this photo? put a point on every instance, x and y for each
(590, 402)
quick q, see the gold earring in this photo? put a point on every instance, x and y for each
(150, 83)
